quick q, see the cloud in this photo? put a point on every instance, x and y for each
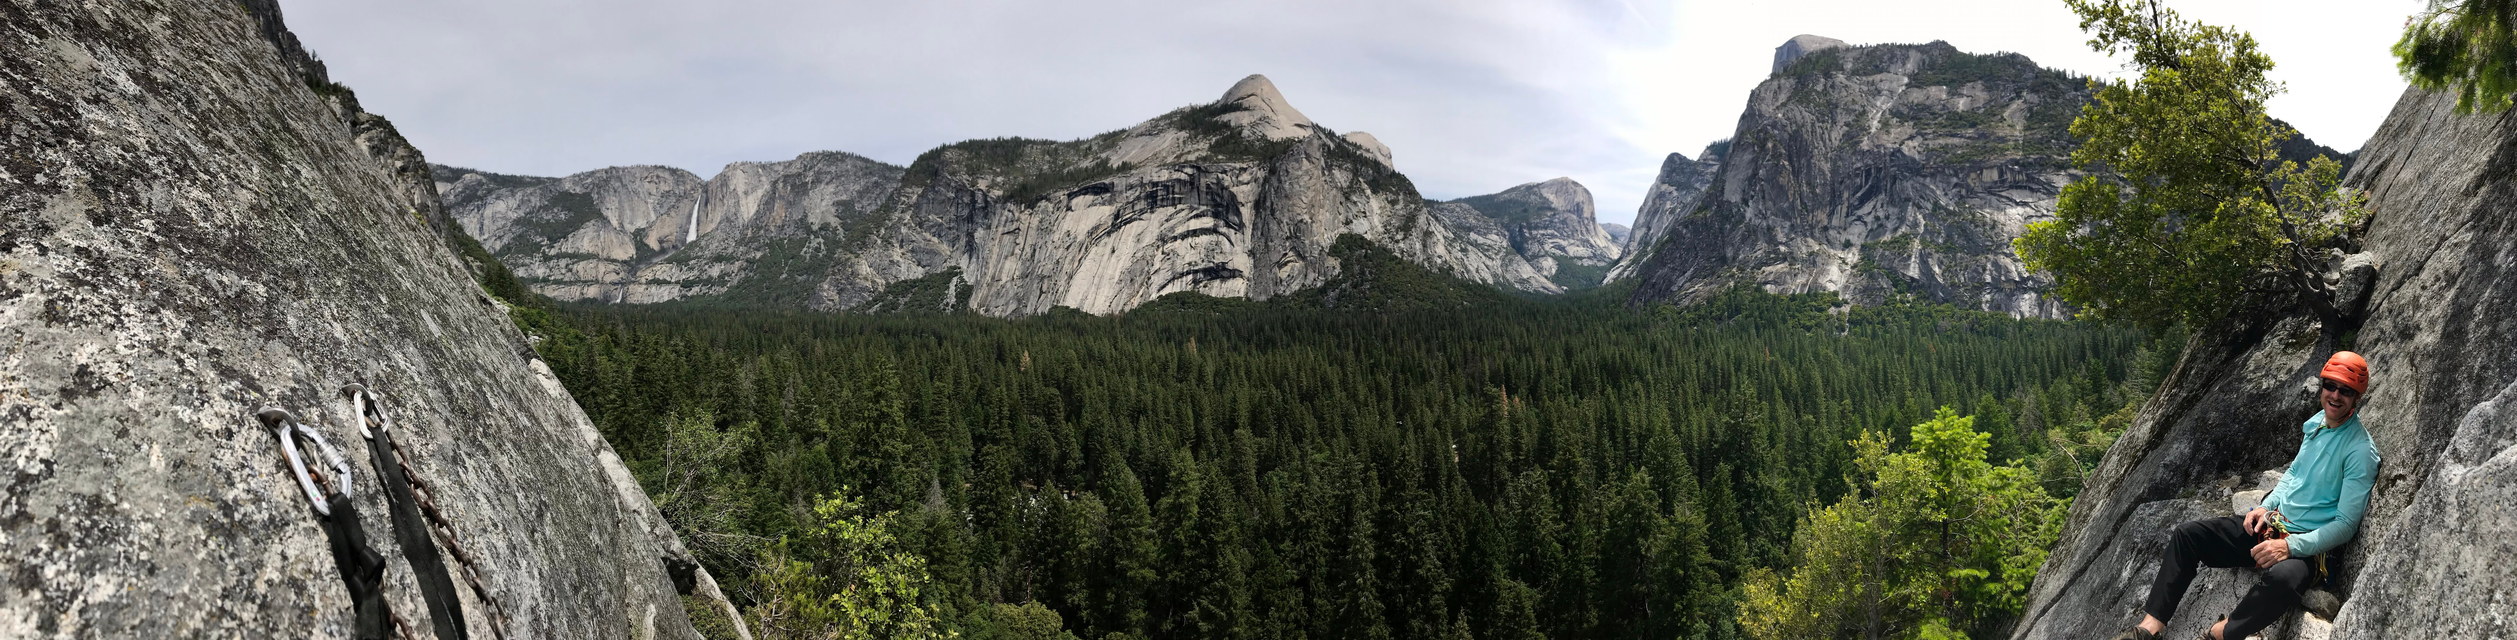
(1473, 96)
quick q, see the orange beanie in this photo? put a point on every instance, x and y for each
(2347, 368)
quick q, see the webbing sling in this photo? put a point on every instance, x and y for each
(445, 610)
(420, 495)
(362, 569)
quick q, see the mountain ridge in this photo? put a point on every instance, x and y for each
(1877, 172)
(1240, 197)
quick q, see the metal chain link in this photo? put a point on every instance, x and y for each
(364, 406)
(444, 529)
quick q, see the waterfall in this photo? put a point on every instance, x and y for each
(694, 220)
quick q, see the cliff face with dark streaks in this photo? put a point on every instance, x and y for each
(196, 223)
(1241, 197)
(1879, 172)
(2437, 272)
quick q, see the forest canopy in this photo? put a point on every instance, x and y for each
(1565, 469)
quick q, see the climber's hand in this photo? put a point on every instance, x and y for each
(2271, 552)
(2255, 521)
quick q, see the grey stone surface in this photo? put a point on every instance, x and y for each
(194, 223)
(1617, 232)
(1552, 224)
(2228, 410)
(2434, 561)
(1238, 198)
(1373, 147)
(2431, 559)
(655, 234)
(1801, 45)
(1878, 172)
(1675, 193)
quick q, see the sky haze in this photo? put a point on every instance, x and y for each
(1472, 96)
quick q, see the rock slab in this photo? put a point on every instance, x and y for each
(196, 223)
(2429, 560)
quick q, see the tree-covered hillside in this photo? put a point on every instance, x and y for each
(1566, 469)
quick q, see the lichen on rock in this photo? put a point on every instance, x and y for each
(195, 223)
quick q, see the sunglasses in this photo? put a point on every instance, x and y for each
(2346, 392)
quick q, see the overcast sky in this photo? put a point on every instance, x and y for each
(1473, 96)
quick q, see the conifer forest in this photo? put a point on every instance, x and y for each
(1209, 468)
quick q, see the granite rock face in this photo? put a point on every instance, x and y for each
(2230, 408)
(655, 234)
(1675, 194)
(1878, 172)
(584, 233)
(2444, 242)
(1553, 226)
(1617, 232)
(196, 223)
(1240, 197)
(1207, 199)
(2428, 561)
(1801, 46)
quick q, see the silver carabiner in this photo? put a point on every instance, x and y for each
(360, 408)
(282, 423)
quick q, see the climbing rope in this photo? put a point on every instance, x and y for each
(373, 424)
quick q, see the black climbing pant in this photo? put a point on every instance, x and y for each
(362, 569)
(436, 587)
(2222, 542)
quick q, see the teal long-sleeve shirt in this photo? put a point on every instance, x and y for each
(2326, 489)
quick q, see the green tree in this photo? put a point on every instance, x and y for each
(1132, 554)
(846, 577)
(1516, 615)
(1937, 540)
(2465, 46)
(2188, 209)
(691, 488)
(1530, 471)
(1026, 621)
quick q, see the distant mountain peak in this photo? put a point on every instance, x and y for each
(1799, 45)
(1263, 110)
(1563, 194)
(1373, 146)
(1879, 172)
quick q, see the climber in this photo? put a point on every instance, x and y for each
(362, 569)
(2316, 507)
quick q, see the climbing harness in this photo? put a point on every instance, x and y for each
(362, 569)
(416, 516)
(445, 610)
(2281, 530)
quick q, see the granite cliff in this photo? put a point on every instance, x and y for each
(1552, 225)
(1241, 197)
(1879, 172)
(195, 222)
(653, 234)
(1674, 194)
(2431, 285)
